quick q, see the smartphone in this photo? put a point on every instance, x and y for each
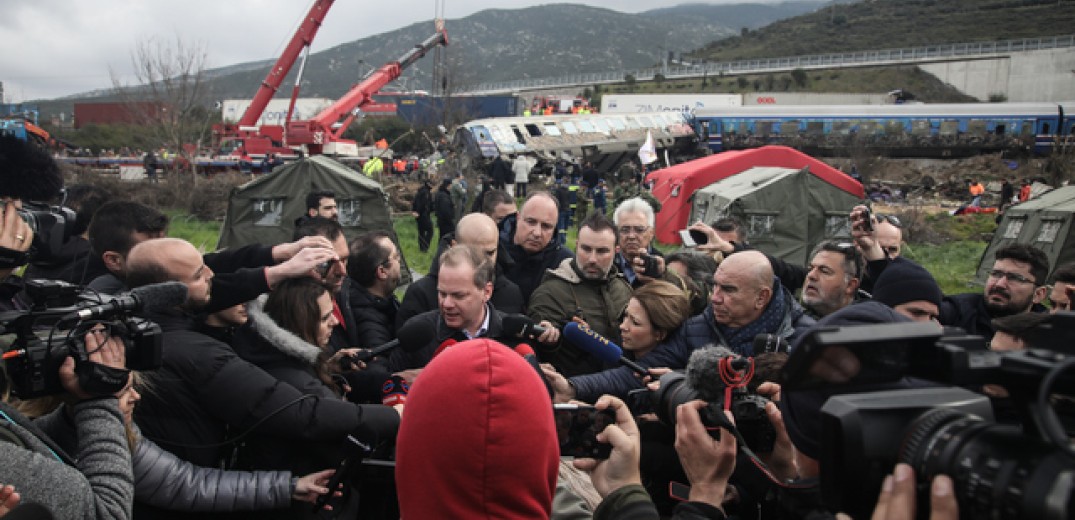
(577, 427)
(651, 268)
(868, 222)
(323, 269)
(688, 240)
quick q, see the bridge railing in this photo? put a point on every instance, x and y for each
(813, 61)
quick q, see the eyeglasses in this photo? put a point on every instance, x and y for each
(997, 274)
(638, 230)
(892, 219)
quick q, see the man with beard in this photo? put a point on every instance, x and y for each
(203, 393)
(374, 268)
(1016, 283)
(586, 289)
(832, 278)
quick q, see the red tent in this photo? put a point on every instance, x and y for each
(674, 186)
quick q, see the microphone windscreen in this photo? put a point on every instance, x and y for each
(161, 296)
(703, 372)
(413, 335)
(524, 350)
(597, 345)
(516, 325)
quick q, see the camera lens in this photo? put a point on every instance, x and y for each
(673, 392)
(998, 472)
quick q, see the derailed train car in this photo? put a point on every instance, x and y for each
(606, 140)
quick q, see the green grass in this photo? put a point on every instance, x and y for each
(952, 263)
(202, 233)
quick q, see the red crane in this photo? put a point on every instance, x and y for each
(321, 134)
(301, 40)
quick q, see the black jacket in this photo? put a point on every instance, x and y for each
(204, 395)
(968, 312)
(374, 317)
(443, 205)
(404, 358)
(291, 360)
(423, 202)
(528, 269)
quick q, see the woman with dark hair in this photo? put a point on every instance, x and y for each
(287, 335)
(654, 311)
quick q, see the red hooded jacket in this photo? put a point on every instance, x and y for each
(477, 438)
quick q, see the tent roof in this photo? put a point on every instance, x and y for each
(747, 182)
(1060, 199)
(707, 170)
(315, 163)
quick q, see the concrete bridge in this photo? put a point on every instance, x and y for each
(1029, 69)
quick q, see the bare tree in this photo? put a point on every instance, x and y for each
(170, 97)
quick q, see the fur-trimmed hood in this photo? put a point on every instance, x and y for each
(283, 340)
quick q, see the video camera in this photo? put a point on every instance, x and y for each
(714, 375)
(1024, 470)
(54, 328)
(52, 227)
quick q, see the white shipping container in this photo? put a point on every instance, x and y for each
(688, 103)
(276, 111)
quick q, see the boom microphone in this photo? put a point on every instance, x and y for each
(521, 327)
(153, 297)
(703, 372)
(600, 347)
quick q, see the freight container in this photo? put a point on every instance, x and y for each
(815, 98)
(430, 110)
(276, 111)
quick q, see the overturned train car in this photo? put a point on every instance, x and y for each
(606, 140)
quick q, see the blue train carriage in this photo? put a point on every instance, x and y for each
(606, 140)
(917, 130)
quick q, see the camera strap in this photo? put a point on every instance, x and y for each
(11, 258)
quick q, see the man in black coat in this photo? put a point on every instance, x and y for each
(533, 246)
(205, 396)
(422, 209)
(442, 204)
(477, 230)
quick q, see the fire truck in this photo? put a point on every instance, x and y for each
(323, 133)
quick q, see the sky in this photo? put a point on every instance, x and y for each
(61, 47)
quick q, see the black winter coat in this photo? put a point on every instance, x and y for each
(423, 202)
(374, 317)
(528, 269)
(444, 207)
(205, 394)
(406, 358)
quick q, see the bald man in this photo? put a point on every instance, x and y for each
(203, 389)
(747, 301)
(474, 229)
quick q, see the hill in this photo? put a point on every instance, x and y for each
(885, 24)
(507, 44)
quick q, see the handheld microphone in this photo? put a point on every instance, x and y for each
(528, 354)
(599, 347)
(153, 297)
(410, 337)
(769, 343)
(521, 327)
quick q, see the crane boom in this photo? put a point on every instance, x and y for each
(323, 127)
(300, 40)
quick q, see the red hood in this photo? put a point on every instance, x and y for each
(477, 439)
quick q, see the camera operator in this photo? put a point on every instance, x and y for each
(708, 464)
(95, 482)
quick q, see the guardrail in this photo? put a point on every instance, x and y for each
(922, 54)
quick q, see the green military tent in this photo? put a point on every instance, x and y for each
(786, 211)
(1044, 222)
(264, 210)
